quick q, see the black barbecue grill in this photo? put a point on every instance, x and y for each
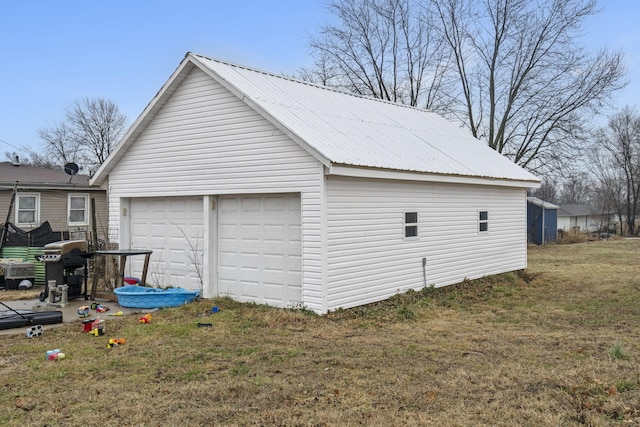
(66, 264)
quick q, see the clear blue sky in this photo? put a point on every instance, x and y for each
(54, 51)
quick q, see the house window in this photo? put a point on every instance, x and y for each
(411, 224)
(483, 221)
(78, 209)
(27, 209)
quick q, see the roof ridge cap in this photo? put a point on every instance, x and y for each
(312, 84)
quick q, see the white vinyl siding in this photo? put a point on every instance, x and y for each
(205, 141)
(370, 259)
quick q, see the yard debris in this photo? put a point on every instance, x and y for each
(102, 309)
(116, 341)
(55, 354)
(205, 325)
(97, 327)
(34, 331)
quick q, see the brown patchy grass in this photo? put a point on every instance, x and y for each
(557, 344)
(13, 295)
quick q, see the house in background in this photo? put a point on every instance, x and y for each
(583, 218)
(275, 191)
(46, 195)
(542, 221)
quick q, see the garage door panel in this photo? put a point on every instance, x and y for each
(173, 228)
(260, 244)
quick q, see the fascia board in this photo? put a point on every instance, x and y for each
(360, 172)
(61, 187)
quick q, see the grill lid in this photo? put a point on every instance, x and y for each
(65, 246)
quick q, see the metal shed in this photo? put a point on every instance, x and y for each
(542, 221)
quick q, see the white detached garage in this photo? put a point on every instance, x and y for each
(280, 192)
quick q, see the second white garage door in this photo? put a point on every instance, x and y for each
(260, 249)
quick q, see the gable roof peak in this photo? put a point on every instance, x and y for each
(342, 129)
(304, 82)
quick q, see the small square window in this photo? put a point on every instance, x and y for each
(483, 221)
(411, 224)
(78, 209)
(28, 209)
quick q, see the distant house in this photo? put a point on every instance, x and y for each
(45, 195)
(542, 221)
(583, 218)
(270, 190)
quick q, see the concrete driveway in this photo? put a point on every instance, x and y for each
(69, 312)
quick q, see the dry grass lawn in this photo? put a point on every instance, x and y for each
(556, 345)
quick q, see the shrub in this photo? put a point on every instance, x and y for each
(566, 237)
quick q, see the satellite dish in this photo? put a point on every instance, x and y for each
(71, 169)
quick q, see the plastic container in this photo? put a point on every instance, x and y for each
(143, 297)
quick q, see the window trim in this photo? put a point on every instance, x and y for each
(482, 222)
(36, 210)
(410, 225)
(87, 199)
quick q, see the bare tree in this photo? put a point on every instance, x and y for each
(548, 191)
(92, 127)
(512, 71)
(99, 124)
(576, 189)
(387, 49)
(525, 83)
(616, 158)
(322, 72)
(60, 143)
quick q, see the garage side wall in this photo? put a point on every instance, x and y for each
(370, 259)
(205, 142)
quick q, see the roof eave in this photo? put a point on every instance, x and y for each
(52, 186)
(379, 173)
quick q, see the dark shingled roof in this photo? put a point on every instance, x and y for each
(576, 210)
(37, 177)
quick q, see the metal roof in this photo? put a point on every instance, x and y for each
(342, 129)
(539, 202)
(361, 131)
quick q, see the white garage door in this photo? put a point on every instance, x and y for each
(259, 249)
(173, 228)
